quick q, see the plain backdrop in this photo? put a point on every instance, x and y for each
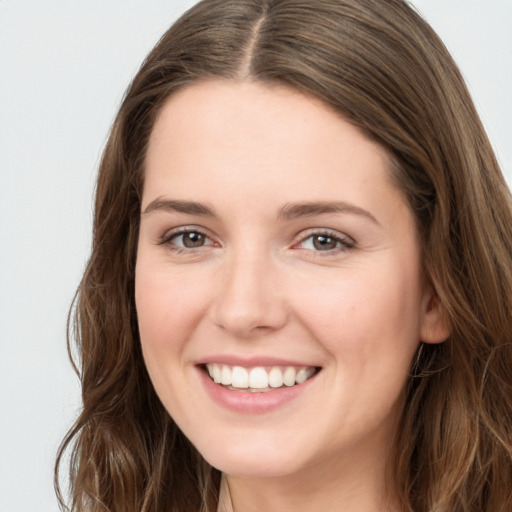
(64, 66)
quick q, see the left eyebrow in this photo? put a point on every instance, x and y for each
(296, 210)
(173, 205)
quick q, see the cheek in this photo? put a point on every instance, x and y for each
(169, 308)
(368, 323)
(365, 315)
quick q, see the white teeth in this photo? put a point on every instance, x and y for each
(303, 375)
(239, 377)
(289, 376)
(216, 373)
(275, 378)
(225, 375)
(258, 378)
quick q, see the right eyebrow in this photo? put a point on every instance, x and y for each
(174, 205)
(297, 210)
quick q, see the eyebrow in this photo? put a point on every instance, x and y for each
(173, 205)
(296, 210)
(287, 212)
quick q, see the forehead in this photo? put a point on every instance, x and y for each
(254, 134)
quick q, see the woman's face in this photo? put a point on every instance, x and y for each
(274, 248)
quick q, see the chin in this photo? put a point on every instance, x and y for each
(252, 461)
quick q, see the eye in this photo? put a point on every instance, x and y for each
(326, 242)
(187, 239)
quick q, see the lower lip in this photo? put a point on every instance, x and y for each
(252, 402)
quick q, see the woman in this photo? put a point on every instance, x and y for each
(299, 291)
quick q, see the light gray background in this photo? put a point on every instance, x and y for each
(63, 68)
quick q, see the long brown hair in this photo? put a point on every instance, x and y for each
(383, 68)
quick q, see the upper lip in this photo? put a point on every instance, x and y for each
(252, 361)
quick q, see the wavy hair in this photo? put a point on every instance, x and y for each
(381, 66)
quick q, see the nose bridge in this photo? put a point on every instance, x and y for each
(249, 298)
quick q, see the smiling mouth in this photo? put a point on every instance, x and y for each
(259, 379)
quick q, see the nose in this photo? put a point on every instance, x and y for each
(250, 300)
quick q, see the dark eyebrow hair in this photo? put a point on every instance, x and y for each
(287, 212)
(295, 210)
(173, 205)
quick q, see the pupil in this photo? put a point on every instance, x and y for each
(324, 243)
(193, 239)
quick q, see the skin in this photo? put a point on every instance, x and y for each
(260, 287)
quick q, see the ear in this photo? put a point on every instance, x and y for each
(435, 326)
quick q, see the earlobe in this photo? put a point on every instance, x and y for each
(435, 326)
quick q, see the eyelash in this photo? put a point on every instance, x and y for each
(167, 239)
(343, 243)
